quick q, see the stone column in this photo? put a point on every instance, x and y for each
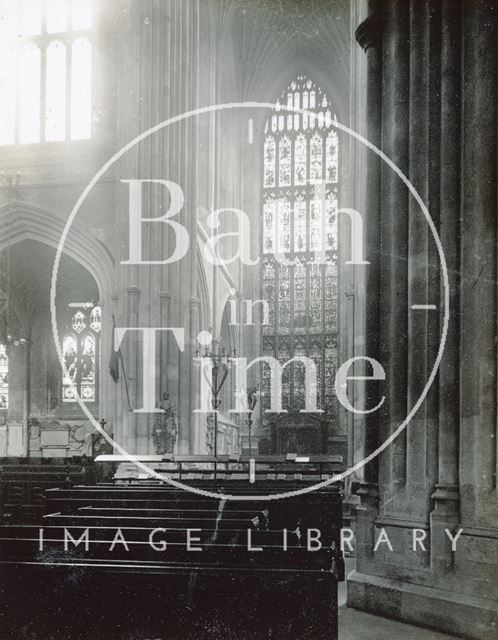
(446, 494)
(394, 246)
(439, 123)
(434, 327)
(132, 365)
(423, 260)
(369, 36)
(196, 446)
(479, 255)
(160, 81)
(127, 127)
(418, 240)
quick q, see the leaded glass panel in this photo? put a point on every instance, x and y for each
(4, 382)
(30, 82)
(46, 65)
(269, 226)
(283, 231)
(316, 353)
(284, 162)
(300, 223)
(96, 319)
(300, 220)
(283, 355)
(316, 158)
(81, 89)
(316, 225)
(284, 299)
(70, 355)
(88, 368)
(299, 312)
(269, 290)
(80, 350)
(330, 291)
(332, 156)
(315, 285)
(300, 159)
(299, 387)
(55, 92)
(270, 161)
(331, 220)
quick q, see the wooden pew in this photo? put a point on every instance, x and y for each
(247, 582)
(23, 484)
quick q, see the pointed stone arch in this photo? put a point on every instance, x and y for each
(22, 221)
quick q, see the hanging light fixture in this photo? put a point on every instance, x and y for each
(220, 360)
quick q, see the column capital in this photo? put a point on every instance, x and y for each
(446, 498)
(369, 32)
(133, 290)
(369, 494)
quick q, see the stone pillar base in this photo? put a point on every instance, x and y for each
(449, 612)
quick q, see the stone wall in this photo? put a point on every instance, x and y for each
(432, 87)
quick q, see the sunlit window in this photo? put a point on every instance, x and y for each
(45, 70)
(4, 372)
(29, 93)
(57, 15)
(80, 349)
(299, 229)
(55, 96)
(81, 89)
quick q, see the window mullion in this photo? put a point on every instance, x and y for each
(43, 42)
(308, 188)
(324, 329)
(43, 89)
(77, 378)
(19, 39)
(96, 374)
(313, 338)
(276, 272)
(18, 95)
(68, 101)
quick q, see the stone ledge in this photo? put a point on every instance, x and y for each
(453, 613)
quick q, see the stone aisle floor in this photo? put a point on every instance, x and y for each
(357, 625)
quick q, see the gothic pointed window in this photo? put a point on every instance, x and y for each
(55, 89)
(45, 70)
(80, 350)
(4, 383)
(299, 239)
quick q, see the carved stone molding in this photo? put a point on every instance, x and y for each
(446, 498)
(369, 494)
(369, 32)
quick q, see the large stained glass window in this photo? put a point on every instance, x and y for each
(45, 70)
(299, 272)
(4, 383)
(80, 349)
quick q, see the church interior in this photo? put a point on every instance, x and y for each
(248, 250)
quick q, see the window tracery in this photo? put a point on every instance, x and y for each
(300, 183)
(45, 70)
(4, 382)
(80, 350)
